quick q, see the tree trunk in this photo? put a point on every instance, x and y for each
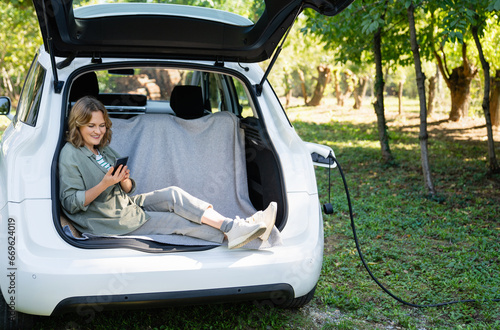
(459, 84)
(162, 78)
(432, 95)
(288, 97)
(423, 136)
(460, 99)
(288, 89)
(324, 76)
(336, 83)
(400, 97)
(486, 103)
(303, 85)
(349, 81)
(360, 92)
(387, 157)
(495, 99)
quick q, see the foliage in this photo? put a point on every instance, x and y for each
(19, 39)
(490, 42)
(342, 32)
(300, 52)
(449, 23)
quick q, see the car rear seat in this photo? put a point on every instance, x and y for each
(87, 85)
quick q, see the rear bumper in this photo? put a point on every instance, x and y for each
(275, 293)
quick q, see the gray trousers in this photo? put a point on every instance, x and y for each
(174, 211)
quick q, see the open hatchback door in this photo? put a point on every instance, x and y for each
(173, 31)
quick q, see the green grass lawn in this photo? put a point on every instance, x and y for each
(424, 250)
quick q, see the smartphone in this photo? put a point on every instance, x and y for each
(120, 161)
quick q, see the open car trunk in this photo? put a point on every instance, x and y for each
(124, 30)
(220, 153)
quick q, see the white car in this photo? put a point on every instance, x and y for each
(223, 124)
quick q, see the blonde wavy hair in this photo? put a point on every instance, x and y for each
(80, 115)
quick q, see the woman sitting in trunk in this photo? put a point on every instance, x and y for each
(99, 202)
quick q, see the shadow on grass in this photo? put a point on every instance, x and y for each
(453, 162)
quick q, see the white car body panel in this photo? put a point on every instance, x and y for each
(48, 270)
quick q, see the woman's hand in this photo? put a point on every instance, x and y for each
(122, 176)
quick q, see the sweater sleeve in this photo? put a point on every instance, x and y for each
(71, 186)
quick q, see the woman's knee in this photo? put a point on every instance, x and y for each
(174, 190)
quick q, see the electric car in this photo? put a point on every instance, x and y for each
(186, 95)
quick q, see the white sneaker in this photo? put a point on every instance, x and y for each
(267, 217)
(243, 232)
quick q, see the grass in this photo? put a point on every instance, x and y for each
(424, 250)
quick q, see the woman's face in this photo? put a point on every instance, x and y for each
(93, 132)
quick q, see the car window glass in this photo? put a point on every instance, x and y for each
(251, 10)
(220, 92)
(29, 102)
(243, 99)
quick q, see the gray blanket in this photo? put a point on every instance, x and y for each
(205, 157)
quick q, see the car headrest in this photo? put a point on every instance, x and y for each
(84, 85)
(187, 101)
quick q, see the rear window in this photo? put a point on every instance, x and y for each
(249, 10)
(149, 89)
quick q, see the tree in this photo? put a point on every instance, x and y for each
(495, 99)
(489, 37)
(379, 89)
(344, 81)
(452, 24)
(433, 82)
(423, 135)
(378, 20)
(458, 81)
(19, 39)
(477, 29)
(324, 77)
(473, 14)
(360, 91)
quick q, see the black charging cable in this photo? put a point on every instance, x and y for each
(363, 259)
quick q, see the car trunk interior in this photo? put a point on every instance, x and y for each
(132, 97)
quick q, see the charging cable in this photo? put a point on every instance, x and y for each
(358, 248)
